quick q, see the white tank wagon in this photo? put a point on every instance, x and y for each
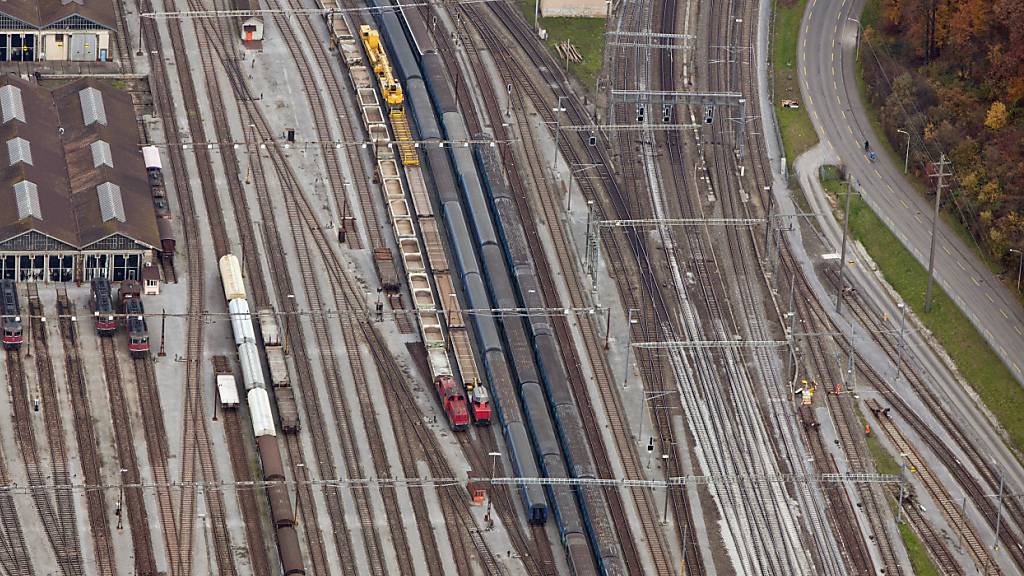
(231, 277)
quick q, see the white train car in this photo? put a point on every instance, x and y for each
(252, 370)
(227, 389)
(231, 277)
(259, 411)
(241, 321)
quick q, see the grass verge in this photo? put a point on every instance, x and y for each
(798, 133)
(586, 34)
(919, 559)
(975, 359)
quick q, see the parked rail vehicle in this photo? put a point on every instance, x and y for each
(134, 314)
(496, 369)
(135, 325)
(479, 403)
(260, 411)
(101, 302)
(420, 246)
(427, 88)
(11, 310)
(518, 261)
(158, 190)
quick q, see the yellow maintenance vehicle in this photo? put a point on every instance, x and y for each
(391, 90)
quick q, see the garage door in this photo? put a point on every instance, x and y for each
(83, 47)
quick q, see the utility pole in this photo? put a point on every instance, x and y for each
(842, 251)
(942, 163)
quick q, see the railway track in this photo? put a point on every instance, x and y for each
(978, 490)
(63, 532)
(313, 410)
(332, 85)
(130, 500)
(515, 74)
(85, 434)
(195, 441)
(539, 555)
(845, 523)
(67, 557)
(407, 420)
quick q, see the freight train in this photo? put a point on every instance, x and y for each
(503, 394)
(157, 189)
(101, 302)
(544, 395)
(11, 310)
(421, 249)
(261, 415)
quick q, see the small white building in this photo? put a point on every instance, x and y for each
(75, 30)
(251, 26)
(574, 8)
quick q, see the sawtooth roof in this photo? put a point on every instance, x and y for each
(80, 199)
(43, 13)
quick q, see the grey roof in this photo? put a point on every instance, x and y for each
(101, 154)
(19, 150)
(111, 204)
(27, 195)
(92, 106)
(11, 105)
(90, 179)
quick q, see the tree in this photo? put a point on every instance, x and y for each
(997, 116)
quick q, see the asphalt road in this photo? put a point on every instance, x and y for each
(826, 57)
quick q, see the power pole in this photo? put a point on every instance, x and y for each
(941, 164)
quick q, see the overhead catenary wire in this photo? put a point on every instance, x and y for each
(426, 481)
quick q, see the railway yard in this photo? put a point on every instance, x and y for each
(381, 288)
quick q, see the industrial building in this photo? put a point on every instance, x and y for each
(76, 30)
(73, 182)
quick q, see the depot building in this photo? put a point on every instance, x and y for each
(75, 197)
(76, 30)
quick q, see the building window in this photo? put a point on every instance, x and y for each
(3, 47)
(8, 267)
(60, 40)
(16, 47)
(95, 267)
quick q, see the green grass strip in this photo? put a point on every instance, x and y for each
(586, 34)
(919, 559)
(798, 133)
(971, 353)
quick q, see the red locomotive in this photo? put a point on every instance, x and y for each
(11, 310)
(135, 318)
(453, 402)
(102, 304)
(479, 404)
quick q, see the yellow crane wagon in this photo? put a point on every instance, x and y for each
(391, 90)
(390, 87)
